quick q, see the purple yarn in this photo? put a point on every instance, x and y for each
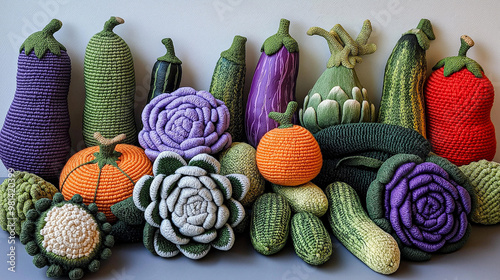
(187, 122)
(35, 135)
(425, 207)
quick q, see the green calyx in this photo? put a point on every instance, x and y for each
(285, 119)
(282, 38)
(170, 55)
(454, 64)
(236, 53)
(344, 50)
(43, 41)
(109, 25)
(423, 32)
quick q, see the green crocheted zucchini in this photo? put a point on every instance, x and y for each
(304, 198)
(311, 240)
(270, 223)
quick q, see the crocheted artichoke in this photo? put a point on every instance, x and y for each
(187, 122)
(189, 207)
(67, 236)
(423, 204)
(18, 195)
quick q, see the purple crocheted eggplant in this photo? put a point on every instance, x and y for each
(187, 122)
(35, 135)
(424, 204)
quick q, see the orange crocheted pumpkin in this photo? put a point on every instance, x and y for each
(288, 155)
(104, 174)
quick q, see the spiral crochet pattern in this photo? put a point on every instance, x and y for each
(108, 71)
(35, 135)
(187, 122)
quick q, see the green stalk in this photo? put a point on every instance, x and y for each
(170, 55)
(43, 41)
(454, 64)
(282, 38)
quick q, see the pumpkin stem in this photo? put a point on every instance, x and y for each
(170, 55)
(107, 146)
(285, 119)
(454, 64)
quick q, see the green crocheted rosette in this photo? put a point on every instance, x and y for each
(189, 207)
(67, 236)
(484, 177)
(423, 203)
(352, 153)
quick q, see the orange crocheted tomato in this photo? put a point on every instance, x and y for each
(104, 174)
(288, 155)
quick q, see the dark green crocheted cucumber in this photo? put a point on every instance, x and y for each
(167, 72)
(311, 240)
(270, 223)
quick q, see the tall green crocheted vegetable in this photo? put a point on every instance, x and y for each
(109, 77)
(228, 82)
(338, 97)
(167, 72)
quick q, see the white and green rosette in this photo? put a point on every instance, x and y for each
(189, 207)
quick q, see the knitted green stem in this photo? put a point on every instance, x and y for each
(344, 50)
(424, 33)
(282, 38)
(285, 119)
(170, 55)
(43, 41)
(236, 53)
(107, 153)
(454, 64)
(110, 24)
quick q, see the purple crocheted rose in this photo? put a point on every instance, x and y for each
(422, 203)
(187, 122)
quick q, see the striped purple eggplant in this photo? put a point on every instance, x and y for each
(35, 135)
(273, 84)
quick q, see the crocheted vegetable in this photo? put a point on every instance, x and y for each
(304, 198)
(311, 240)
(130, 225)
(352, 153)
(405, 73)
(484, 178)
(338, 97)
(270, 223)
(167, 72)
(104, 174)
(187, 122)
(189, 207)
(423, 204)
(108, 72)
(273, 83)
(67, 236)
(228, 82)
(240, 158)
(18, 195)
(354, 229)
(459, 98)
(35, 135)
(288, 155)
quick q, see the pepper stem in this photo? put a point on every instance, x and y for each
(107, 146)
(454, 64)
(170, 55)
(466, 43)
(285, 119)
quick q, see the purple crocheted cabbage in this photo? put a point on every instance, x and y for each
(425, 205)
(187, 122)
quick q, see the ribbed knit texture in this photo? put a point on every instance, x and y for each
(485, 180)
(35, 135)
(108, 71)
(311, 240)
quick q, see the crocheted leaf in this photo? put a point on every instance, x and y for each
(191, 171)
(152, 215)
(127, 212)
(222, 182)
(170, 233)
(225, 239)
(126, 233)
(141, 192)
(207, 162)
(163, 247)
(149, 234)
(222, 216)
(310, 121)
(206, 237)
(328, 113)
(351, 111)
(167, 163)
(154, 188)
(237, 212)
(169, 184)
(314, 101)
(241, 185)
(194, 250)
(44, 41)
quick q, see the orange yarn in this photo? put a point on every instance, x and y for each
(289, 156)
(114, 186)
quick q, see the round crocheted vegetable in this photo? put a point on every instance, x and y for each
(35, 135)
(104, 174)
(18, 195)
(288, 155)
(423, 204)
(189, 207)
(187, 122)
(67, 236)
(484, 177)
(458, 102)
(240, 158)
(108, 71)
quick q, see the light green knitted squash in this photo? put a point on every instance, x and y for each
(304, 198)
(311, 240)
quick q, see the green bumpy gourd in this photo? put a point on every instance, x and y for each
(108, 71)
(18, 195)
(311, 240)
(304, 198)
(270, 223)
